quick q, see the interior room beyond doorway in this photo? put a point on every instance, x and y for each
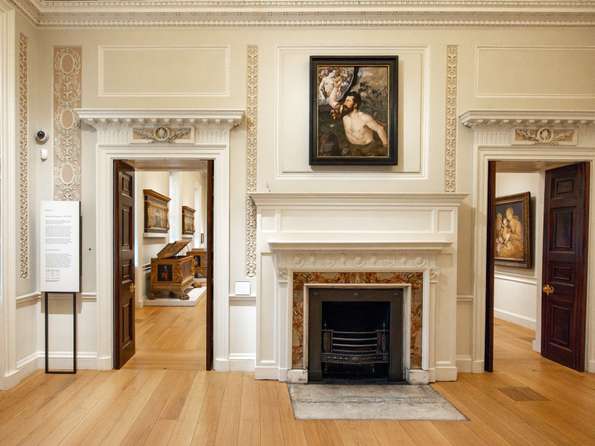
(170, 250)
(540, 208)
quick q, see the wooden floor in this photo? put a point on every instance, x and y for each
(170, 337)
(527, 401)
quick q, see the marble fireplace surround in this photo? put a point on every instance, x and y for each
(411, 282)
(307, 240)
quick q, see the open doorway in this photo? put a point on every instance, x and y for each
(536, 271)
(163, 268)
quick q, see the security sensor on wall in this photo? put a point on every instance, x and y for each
(41, 137)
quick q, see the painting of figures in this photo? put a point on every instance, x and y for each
(353, 110)
(513, 230)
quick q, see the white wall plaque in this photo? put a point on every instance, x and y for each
(242, 288)
(59, 246)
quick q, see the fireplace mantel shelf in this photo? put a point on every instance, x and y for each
(351, 245)
(288, 199)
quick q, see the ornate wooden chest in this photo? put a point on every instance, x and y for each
(200, 262)
(172, 274)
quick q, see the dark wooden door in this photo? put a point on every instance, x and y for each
(488, 363)
(123, 263)
(565, 236)
(210, 255)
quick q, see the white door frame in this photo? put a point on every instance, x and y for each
(8, 164)
(493, 141)
(210, 140)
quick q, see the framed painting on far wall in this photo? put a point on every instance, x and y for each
(512, 230)
(353, 110)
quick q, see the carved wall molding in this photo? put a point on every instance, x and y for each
(450, 151)
(67, 133)
(23, 117)
(309, 13)
(402, 260)
(545, 135)
(251, 157)
(209, 128)
(533, 118)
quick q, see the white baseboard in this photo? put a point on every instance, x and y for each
(464, 363)
(242, 362)
(221, 365)
(445, 371)
(591, 366)
(58, 361)
(63, 360)
(536, 346)
(268, 372)
(477, 366)
(515, 318)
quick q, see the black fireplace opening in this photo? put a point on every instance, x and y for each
(355, 340)
(355, 335)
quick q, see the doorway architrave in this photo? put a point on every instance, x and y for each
(210, 140)
(9, 372)
(493, 140)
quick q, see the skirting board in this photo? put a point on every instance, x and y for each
(591, 368)
(445, 372)
(58, 360)
(242, 362)
(270, 372)
(515, 318)
(464, 363)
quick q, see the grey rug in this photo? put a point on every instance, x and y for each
(370, 402)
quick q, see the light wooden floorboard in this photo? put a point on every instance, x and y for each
(166, 398)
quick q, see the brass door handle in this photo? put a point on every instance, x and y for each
(131, 288)
(548, 289)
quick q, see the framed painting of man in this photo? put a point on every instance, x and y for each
(353, 110)
(512, 231)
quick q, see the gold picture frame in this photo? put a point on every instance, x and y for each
(513, 235)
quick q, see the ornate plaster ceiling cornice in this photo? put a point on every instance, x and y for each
(111, 13)
(512, 118)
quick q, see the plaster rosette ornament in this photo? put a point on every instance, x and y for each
(67, 132)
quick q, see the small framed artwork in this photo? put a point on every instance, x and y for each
(187, 220)
(512, 230)
(156, 212)
(353, 110)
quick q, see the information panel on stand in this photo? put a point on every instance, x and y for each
(59, 250)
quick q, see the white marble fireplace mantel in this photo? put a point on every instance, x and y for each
(356, 232)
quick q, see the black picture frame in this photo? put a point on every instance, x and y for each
(339, 142)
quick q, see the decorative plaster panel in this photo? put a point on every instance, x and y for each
(497, 73)
(450, 152)
(164, 71)
(67, 133)
(251, 157)
(291, 135)
(23, 116)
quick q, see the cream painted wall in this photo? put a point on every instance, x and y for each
(515, 289)
(488, 67)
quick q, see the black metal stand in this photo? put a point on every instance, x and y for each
(47, 360)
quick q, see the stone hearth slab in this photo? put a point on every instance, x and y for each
(370, 402)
